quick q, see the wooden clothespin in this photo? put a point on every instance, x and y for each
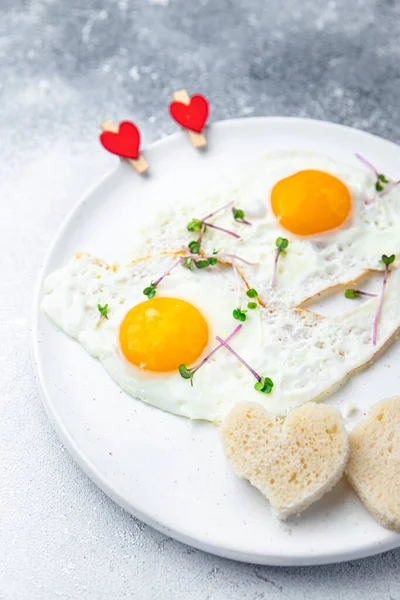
(124, 141)
(190, 113)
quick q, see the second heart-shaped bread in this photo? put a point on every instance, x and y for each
(292, 461)
(374, 466)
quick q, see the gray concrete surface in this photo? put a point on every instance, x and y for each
(66, 65)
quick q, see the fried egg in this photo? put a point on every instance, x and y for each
(142, 342)
(336, 230)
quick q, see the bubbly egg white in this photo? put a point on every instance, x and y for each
(304, 354)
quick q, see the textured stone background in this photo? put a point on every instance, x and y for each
(66, 65)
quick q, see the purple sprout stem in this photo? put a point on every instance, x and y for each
(206, 358)
(234, 257)
(244, 221)
(231, 350)
(232, 233)
(367, 164)
(274, 272)
(216, 212)
(388, 188)
(159, 280)
(379, 309)
(365, 293)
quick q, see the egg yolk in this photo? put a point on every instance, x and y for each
(310, 202)
(162, 333)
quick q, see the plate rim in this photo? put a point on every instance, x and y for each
(87, 465)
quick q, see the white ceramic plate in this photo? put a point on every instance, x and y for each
(169, 472)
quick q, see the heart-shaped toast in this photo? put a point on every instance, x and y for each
(292, 461)
(374, 464)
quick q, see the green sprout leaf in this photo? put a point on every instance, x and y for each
(252, 305)
(194, 247)
(281, 243)
(103, 310)
(185, 372)
(202, 264)
(378, 187)
(239, 314)
(382, 178)
(188, 263)
(194, 225)
(265, 385)
(352, 294)
(252, 293)
(388, 260)
(237, 213)
(212, 261)
(150, 291)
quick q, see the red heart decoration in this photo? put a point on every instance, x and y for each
(191, 116)
(125, 142)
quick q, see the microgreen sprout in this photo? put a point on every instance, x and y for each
(200, 225)
(212, 260)
(381, 180)
(252, 293)
(263, 384)
(281, 245)
(191, 258)
(150, 290)
(194, 225)
(382, 184)
(238, 215)
(350, 293)
(188, 372)
(387, 261)
(194, 247)
(202, 263)
(239, 314)
(103, 310)
(188, 263)
(232, 233)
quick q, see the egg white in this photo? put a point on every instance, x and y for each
(304, 354)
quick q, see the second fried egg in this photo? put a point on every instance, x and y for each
(336, 225)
